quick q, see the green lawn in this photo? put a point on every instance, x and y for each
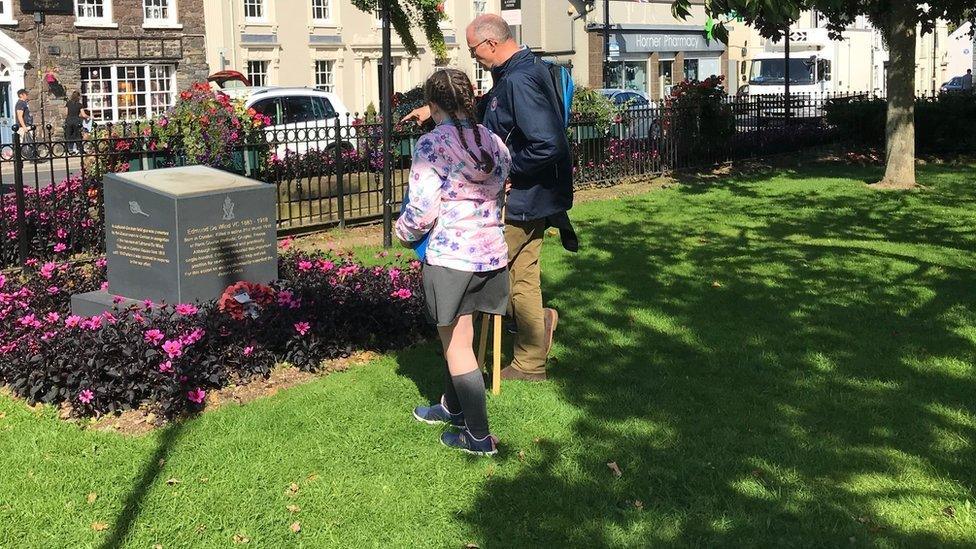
(778, 360)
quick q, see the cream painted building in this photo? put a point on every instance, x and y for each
(328, 44)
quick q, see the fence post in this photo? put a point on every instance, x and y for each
(23, 239)
(340, 190)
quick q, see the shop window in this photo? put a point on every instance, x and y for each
(629, 75)
(691, 69)
(127, 92)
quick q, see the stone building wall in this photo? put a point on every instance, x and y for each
(67, 46)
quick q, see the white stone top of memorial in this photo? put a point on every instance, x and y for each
(186, 181)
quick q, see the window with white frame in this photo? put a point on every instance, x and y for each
(325, 75)
(257, 73)
(159, 11)
(254, 10)
(7, 12)
(127, 92)
(93, 11)
(321, 10)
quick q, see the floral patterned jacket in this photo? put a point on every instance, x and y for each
(456, 201)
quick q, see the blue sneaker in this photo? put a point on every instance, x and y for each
(438, 413)
(465, 441)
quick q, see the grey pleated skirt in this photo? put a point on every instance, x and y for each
(451, 293)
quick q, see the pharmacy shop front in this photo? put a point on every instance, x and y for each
(652, 58)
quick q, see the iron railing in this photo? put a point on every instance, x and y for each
(329, 173)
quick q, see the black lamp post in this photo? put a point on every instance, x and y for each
(386, 107)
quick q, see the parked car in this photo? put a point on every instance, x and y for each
(954, 85)
(638, 120)
(302, 119)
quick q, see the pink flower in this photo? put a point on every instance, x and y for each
(248, 351)
(29, 321)
(53, 290)
(72, 321)
(47, 271)
(116, 299)
(286, 243)
(104, 286)
(304, 265)
(394, 274)
(3, 280)
(86, 396)
(186, 309)
(166, 367)
(92, 324)
(192, 337)
(148, 304)
(197, 395)
(59, 247)
(325, 265)
(101, 262)
(402, 293)
(302, 327)
(52, 317)
(173, 349)
(153, 336)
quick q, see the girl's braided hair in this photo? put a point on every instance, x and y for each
(452, 92)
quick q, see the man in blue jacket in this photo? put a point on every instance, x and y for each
(523, 108)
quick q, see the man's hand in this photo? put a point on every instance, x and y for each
(420, 114)
(508, 185)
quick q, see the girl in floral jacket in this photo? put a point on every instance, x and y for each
(456, 194)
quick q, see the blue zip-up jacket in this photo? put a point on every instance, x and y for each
(523, 109)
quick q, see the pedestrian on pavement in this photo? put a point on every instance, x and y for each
(456, 195)
(77, 114)
(967, 81)
(25, 120)
(523, 108)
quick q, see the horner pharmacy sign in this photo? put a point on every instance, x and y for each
(654, 41)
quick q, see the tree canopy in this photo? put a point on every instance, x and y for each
(407, 14)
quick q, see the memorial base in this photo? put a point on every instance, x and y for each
(98, 302)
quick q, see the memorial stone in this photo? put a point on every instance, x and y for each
(178, 235)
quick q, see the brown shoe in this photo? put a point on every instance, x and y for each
(511, 372)
(551, 317)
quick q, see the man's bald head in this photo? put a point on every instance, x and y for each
(491, 27)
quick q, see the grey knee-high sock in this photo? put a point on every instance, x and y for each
(470, 388)
(450, 395)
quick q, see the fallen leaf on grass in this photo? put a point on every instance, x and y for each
(204, 480)
(91, 498)
(639, 505)
(949, 511)
(295, 527)
(173, 481)
(537, 440)
(313, 477)
(158, 546)
(471, 546)
(241, 538)
(201, 528)
(162, 462)
(521, 455)
(716, 284)
(614, 468)
(3, 415)
(293, 508)
(292, 489)
(99, 526)
(490, 471)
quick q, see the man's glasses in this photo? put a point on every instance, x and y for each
(475, 47)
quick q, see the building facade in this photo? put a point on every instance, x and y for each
(129, 58)
(331, 45)
(650, 50)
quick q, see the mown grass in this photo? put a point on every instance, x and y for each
(784, 358)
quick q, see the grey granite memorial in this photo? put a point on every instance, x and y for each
(178, 235)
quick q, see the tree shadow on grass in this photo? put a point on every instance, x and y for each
(755, 390)
(150, 472)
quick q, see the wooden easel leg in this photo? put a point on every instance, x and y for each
(483, 345)
(496, 371)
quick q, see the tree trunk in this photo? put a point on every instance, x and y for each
(900, 127)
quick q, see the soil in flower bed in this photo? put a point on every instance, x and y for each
(141, 421)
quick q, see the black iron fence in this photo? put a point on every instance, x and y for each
(329, 173)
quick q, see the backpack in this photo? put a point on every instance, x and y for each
(563, 83)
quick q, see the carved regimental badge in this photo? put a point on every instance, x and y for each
(228, 209)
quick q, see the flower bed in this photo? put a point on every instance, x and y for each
(167, 357)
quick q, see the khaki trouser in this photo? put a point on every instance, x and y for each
(524, 239)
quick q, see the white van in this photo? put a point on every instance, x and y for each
(302, 119)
